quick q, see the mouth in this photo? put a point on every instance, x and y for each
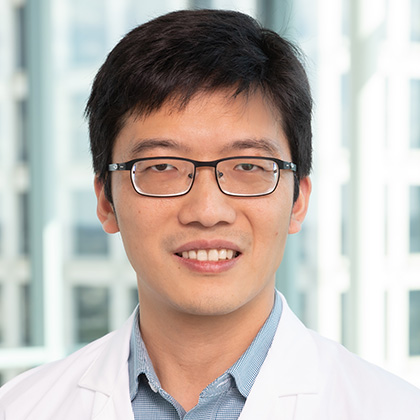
(215, 255)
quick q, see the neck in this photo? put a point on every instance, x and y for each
(189, 352)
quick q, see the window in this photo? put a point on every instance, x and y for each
(345, 321)
(21, 25)
(200, 4)
(23, 151)
(134, 297)
(414, 113)
(415, 20)
(91, 313)
(89, 238)
(414, 338)
(1, 227)
(80, 139)
(24, 241)
(88, 32)
(1, 316)
(3, 132)
(345, 110)
(345, 219)
(415, 219)
(345, 17)
(25, 327)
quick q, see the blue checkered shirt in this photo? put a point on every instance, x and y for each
(223, 399)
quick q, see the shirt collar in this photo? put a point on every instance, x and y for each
(244, 371)
(246, 368)
(139, 361)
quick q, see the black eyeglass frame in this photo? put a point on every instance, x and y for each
(128, 166)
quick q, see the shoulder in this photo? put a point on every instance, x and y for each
(82, 357)
(337, 361)
(67, 388)
(61, 376)
(347, 380)
(339, 383)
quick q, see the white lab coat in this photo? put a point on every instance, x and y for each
(304, 377)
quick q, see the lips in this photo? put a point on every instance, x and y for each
(208, 257)
(213, 254)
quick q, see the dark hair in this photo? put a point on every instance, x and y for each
(177, 55)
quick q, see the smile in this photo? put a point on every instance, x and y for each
(209, 255)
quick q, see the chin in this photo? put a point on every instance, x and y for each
(208, 306)
(224, 304)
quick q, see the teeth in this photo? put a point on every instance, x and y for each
(209, 255)
(213, 255)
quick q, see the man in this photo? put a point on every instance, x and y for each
(200, 127)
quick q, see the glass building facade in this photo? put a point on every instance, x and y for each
(353, 273)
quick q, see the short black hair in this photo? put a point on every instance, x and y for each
(177, 55)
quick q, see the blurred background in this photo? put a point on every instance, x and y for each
(353, 273)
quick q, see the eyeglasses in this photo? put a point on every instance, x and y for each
(239, 176)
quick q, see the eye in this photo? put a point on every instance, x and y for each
(161, 167)
(247, 167)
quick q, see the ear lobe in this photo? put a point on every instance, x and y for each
(105, 210)
(300, 207)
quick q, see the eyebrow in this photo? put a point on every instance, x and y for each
(263, 144)
(149, 144)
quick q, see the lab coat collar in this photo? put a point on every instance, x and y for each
(102, 375)
(293, 364)
(288, 382)
(291, 370)
(107, 376)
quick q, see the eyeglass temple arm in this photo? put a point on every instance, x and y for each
(118, 167)
(287, 165)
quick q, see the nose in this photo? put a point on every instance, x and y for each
(205, 204)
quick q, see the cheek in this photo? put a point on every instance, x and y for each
(271, 228)
(273, 217)
(141, 222)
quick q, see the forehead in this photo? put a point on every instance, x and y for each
(213, 124)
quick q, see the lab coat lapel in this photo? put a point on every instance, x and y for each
(107, 376)
(113, 409)
(287, 383)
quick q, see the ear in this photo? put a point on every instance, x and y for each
(105, 210)
(301, 205)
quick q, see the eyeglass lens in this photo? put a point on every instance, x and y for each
(169, 177)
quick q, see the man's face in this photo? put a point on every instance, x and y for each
(157, 232)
